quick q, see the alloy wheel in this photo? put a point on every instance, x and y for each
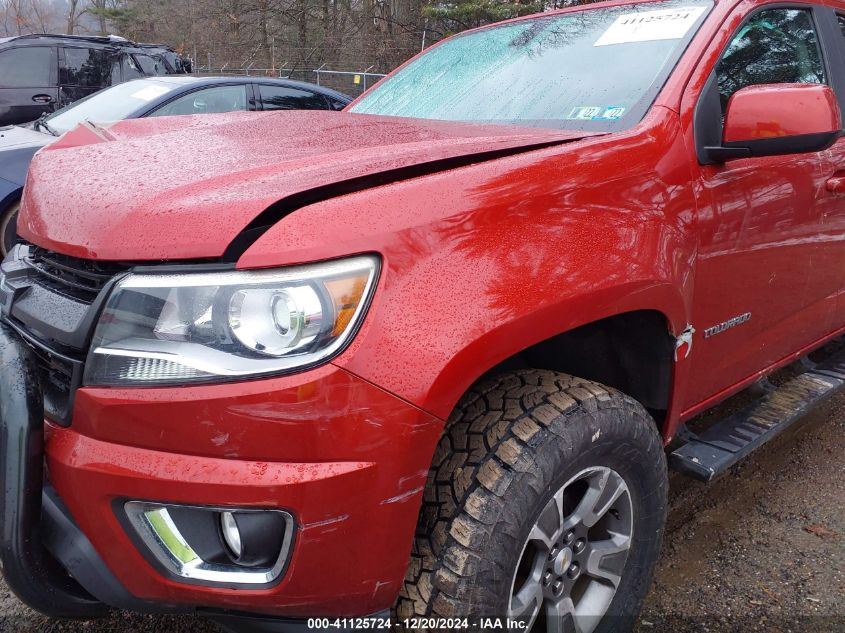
(572, 562)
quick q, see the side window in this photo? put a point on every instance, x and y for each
(775, 46)
(150, 66)
(282, 98)
(164, 67)
(130, 68)
(30, 67)
(207, 101)
(86, 67)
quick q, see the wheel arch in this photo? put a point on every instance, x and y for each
(630, 351)
(627, 343)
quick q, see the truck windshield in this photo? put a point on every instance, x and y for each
(596, 69)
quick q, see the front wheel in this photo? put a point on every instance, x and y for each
(545, 505)
(8, 227)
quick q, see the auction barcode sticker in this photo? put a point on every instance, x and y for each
(647, 26)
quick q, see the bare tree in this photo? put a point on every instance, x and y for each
(73, 12)
(19, 17)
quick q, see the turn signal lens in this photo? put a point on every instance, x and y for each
(346, 295)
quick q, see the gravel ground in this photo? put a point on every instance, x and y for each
(762, 549)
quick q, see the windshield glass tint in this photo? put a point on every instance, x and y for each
(597, 69)
(114, 104)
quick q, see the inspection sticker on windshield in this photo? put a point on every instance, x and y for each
(149, 93)
(584, 113)
(647, 26)
(596, 113)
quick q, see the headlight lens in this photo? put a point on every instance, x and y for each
(200, 327)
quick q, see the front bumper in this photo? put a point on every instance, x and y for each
(346, 459)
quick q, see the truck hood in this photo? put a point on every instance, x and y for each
(185, 187)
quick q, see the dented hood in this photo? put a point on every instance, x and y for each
(185, 187)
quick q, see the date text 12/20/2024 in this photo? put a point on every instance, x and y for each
(416, 624)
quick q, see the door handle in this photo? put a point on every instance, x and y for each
(836, 183)
(42, 99)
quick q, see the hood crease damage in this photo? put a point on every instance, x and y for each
(230, 177)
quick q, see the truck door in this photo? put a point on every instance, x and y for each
(27, 83)
(758, 293)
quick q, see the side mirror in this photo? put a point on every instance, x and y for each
(774, 119)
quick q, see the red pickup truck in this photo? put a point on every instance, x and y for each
(426, 359)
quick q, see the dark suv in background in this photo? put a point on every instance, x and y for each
(174, 63)
(41, 73)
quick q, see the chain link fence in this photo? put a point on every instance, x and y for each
(351, 82)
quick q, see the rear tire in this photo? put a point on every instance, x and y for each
(8, 227)
(514, 446)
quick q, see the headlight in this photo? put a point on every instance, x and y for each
(202, 327)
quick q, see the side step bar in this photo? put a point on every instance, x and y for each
(710, 454)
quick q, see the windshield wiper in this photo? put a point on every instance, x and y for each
(41, 122)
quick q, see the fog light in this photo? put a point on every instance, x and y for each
(244, 547)
(231, 533)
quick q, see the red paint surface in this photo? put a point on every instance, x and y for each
(770, 242)
(215, 173)
(348, 460)
(777, 110)
(483, 261)
(479, 263)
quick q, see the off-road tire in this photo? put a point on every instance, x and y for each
(511, 442)
(8, 228)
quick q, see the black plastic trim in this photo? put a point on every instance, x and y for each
(833, 47)
(710, 453)
(719, 154)
(707, 122)
(70, 345)
(176, 268)
(30, 571)
(801, 143)
(63, 417)
(18, 276)
(69, 545)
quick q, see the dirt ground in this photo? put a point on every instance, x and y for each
(762, 549)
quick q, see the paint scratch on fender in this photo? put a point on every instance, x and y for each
(403, 496)
(379, 585)
(337, 519)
